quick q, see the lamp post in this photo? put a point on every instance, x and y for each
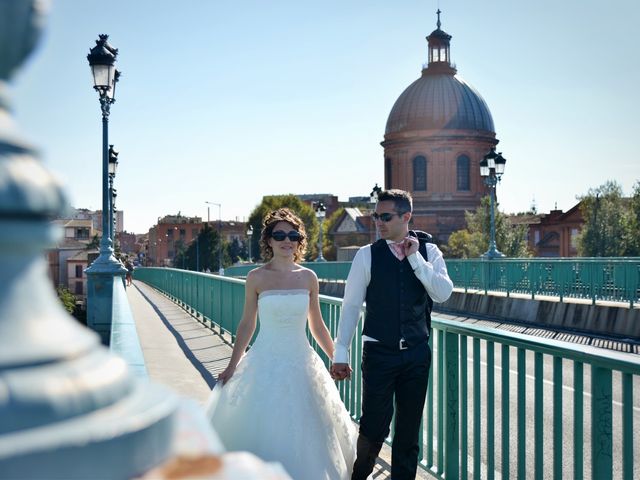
(249, 235)
(373, 198)
(100, 273)
(320, 214)
(198, 252)
(113, 167)
(113, 211)
(219, 205)
(491, 170)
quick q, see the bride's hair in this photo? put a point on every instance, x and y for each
(270, 221)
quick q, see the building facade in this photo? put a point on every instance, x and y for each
(553, 234)
(438, 131)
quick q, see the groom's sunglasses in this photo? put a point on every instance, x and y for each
(385, 217)
(280, 235)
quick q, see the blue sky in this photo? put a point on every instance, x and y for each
(227, 101)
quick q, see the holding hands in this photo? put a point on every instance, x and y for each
(340, 371)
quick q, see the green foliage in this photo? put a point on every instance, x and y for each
(611, 223)
(464, 244)
(94, 243)
(473, 241)
(67, 298)
(303, 210)
(207, 246)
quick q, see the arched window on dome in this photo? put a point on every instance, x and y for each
(419, 174)
(463, 173)
(387, 174)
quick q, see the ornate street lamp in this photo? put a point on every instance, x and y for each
(373, 198)
(113, 167)
(114, 195)
(491, 170)
(100, 273)
(219, 205)
(249, 235)
(320, 214)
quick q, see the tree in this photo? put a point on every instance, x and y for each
(207, 246)
(237, 251)
(473, 241)
(610, 222)
(464, 244)
(67, 298)
(303, 210)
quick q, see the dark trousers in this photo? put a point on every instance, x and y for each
(387, 372)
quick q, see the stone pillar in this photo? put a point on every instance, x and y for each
(69, 408)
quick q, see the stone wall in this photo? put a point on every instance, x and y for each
(609, 320)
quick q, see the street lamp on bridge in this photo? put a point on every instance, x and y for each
(491, 170)
(219, 205)
(321, 211)
(100, 273)
(373, 198)
(113, 167)
(249, 235)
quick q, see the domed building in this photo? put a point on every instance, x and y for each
(436, 135)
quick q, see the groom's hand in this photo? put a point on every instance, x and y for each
(340, 371)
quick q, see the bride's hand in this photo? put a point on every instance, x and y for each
(226, 374)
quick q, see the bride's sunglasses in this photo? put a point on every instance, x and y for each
(280, 235)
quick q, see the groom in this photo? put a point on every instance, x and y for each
(399, 276)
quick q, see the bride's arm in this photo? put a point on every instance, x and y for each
(246, 327)
(316, 324)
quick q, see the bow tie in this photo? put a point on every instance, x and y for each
(398, 250)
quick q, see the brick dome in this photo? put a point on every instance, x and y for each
(439, 100)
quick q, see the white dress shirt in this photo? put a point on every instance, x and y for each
(432, 274)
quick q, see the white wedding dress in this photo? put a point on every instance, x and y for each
(281, 403)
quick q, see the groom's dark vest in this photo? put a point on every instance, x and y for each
(398, 306)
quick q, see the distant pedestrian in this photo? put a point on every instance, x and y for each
(129, 266)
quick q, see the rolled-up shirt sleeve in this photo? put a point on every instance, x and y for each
(433, 273)
(354, 295)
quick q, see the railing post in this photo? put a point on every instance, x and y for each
(601, 423)
(451, 401)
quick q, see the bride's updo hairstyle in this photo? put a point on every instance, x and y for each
(268, 224)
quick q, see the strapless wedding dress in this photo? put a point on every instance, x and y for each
(281, 403)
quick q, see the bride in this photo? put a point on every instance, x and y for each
(278, 401)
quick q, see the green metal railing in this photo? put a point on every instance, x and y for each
(605, 279)
(497, 403)
(609, 279)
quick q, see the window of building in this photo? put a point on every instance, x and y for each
(419, 173)
(536, 237)
(78, 271)
(463, 173)
(574, 238)
(78, 289)
(82, 233)
(388, 182)
(183, 232)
